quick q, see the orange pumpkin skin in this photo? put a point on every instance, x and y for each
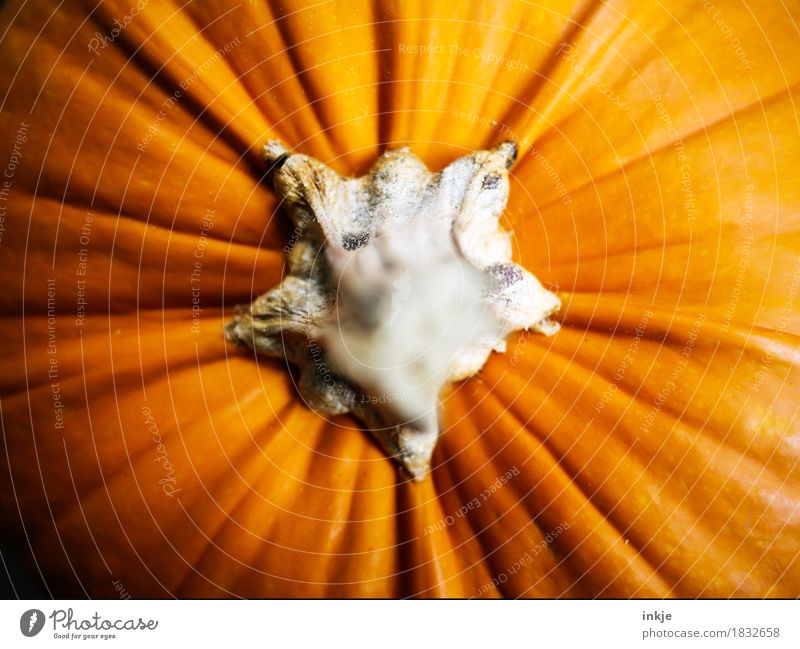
(648, 449)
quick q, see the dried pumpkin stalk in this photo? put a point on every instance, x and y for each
(399, 282)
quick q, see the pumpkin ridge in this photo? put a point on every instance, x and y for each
(739, 433)
(378, 583)
(161, 74)
(672, 508)
(573, 27)
(476, 536)
(478, 533)
(569, 481)
(606, 514)
(254, 469)
(300, 72)
(702, 472)
(247, 563)
(558, 462)
(647, 157)
(334, 551)
(436, 556)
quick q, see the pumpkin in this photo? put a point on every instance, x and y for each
(648, 449)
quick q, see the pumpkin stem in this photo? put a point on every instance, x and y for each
(400, 282)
